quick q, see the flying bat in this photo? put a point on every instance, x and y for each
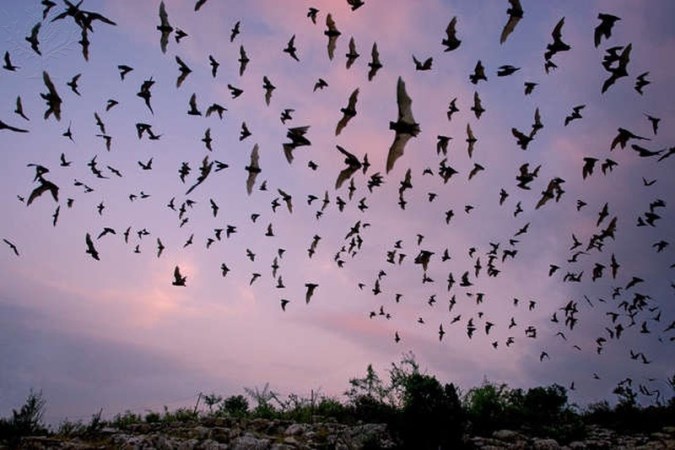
(405, 126)
(51, 97)
(450, 41)
(164, 27)
(91, 250)
(620, 70)
(178, 279)
(470, 139)
(184, 71)
(374, 63)
(244, 60)
(32, 39)
(290, 48)
(355, 4)
(311, 287)
(253, 169)
(353, 166)
(557, 45)
(8, 63)
(269, 88)
(604, 29)
(333, 33)
(235, 31)
(422, 66)
(348, 112)
(353, 54)
(12, 247)
(45, 186)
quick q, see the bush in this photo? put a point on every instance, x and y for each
(126, 419)
(487, 406)
(152, 417)
(27, 421)
(627, 416)
(180, 415)
(332, 408)
(235, 406)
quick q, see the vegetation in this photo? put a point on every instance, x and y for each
(27, 421)
(421, 412)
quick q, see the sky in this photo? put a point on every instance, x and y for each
(116, 334)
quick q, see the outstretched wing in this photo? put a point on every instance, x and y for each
(253, 169)
(515, 14)
(396, 149)
(404, 103)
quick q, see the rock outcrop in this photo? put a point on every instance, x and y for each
(263, 434)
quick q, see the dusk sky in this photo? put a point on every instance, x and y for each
(116, 334)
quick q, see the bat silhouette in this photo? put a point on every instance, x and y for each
(450, 41)
(333, 33)
(405, 126)
(253, 169)
(374, 63)
(348, 112)
(51, 97)
(178, 279)
(91, 250)
(604, 29)
(353, 166)
(164, 27)
(353, 54)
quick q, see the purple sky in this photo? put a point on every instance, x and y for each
(115, 334)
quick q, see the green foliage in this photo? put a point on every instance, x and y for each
(432, 416)
(125, 420)
(96, 423)
(488, 405)
(27, 421)
(369, 387)
(235, 406)
(181, 415)
(332, 408)
(628, 416)
(422, 413)
(370, 399)
(541, 411)
(153, 417)
(212, 401)
(264, 408)
(69, 428)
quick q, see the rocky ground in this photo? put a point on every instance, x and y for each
(261, 434)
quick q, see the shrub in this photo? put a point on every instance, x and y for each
(126, 419)
(27, 421)
(180, 415)
(332, 408)
(486, 406)
(212, 401)
(235, 405)
(263, 398)
(152, 417)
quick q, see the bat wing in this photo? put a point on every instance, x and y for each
(508, 28)
(396, 150)
(404, 103)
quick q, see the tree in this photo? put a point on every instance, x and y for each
(432, 415)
